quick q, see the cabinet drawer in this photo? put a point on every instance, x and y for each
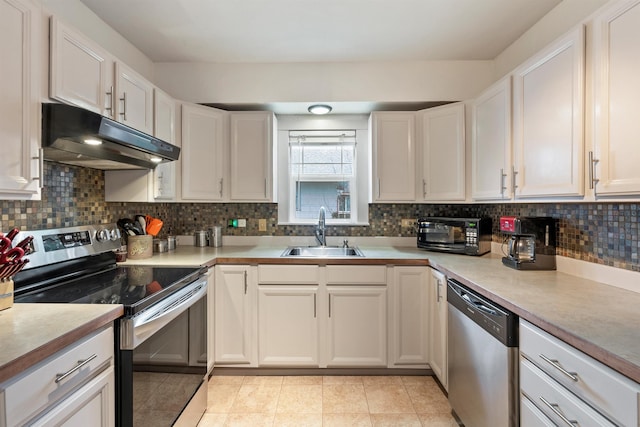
(288, 274)
(530, 415)
(552, 399)
(356, 275)
(34, 390)
(613, 394)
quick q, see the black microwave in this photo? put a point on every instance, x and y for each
(468, 236)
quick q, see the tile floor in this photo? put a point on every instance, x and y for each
(326, 401)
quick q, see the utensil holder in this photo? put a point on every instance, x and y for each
(140, 247)
(6, 294)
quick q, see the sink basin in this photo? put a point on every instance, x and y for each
(321, 252)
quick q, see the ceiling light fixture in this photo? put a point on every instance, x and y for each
(320, 109)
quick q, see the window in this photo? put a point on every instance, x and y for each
(323, 161)
(322, 172)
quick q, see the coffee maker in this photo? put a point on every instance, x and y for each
(532, 244)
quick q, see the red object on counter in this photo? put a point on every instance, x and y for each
(508, 224)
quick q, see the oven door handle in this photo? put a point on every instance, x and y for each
(136, 330)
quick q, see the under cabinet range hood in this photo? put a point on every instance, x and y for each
(80, 137)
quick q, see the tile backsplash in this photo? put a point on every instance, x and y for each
(603, 233)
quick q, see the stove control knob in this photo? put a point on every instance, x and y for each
(102, 235)
(114, 234)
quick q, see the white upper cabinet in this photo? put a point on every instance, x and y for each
(616, 59)
(134, 99)
(491, 143)
(442, 153)
(164, 118)
(81, 72)
(548, 94)
(204, 153)
(393, 156)
(251, 145)
(20, 175)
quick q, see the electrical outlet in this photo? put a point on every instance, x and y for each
(408, 222)
(242, 223)
(262, 224)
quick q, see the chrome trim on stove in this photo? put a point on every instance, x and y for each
(136, 329)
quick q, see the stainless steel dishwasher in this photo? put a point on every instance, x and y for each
(483, 359)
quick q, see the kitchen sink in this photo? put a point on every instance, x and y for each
(321, 251)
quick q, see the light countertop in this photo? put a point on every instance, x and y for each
(598, 319)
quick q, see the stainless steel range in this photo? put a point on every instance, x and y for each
(161, 348)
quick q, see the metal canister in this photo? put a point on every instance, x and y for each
(215, 236)
(171, 242)
(200, 238)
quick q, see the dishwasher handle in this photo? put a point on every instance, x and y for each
(477, 304)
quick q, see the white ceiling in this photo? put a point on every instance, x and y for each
(320, 31)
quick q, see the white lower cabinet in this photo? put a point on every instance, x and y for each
(409, 317)
(438, 327)
(357, 326)
(93, 405)
(570, 387)
(288, 325)
(59, 392)
(235, 305)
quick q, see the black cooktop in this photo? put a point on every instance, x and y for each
(136, 287)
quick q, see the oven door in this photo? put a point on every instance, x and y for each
(162, 361)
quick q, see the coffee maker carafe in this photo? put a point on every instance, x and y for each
(532, 242)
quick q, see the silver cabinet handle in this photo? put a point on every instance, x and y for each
(553, 362)
(424, 188)
(503, 187)
(245, 282)
(40, 177)
(439, 282)
(110, 95)
(514, 172)
(81, 363)
(221, 181)
(592, 171)
(124, 106)
(556, 410)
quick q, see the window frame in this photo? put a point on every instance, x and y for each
(359, 205)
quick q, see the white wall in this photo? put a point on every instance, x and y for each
(411, 81)
(553, 25)
(77, 15)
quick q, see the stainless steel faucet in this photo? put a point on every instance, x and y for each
(321, 232)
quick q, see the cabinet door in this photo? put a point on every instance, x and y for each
(393, 156)
(164, 113)
(288, 325)
(548, 120)
(203, 152)
(91, 405)
(443, 153)
(410, 316)
(134, 106)
(251, 155)
(81, 72)
(234, 308)
(438, 325)
(491, 143)
(617, 77)
(357, 326)
(20, 175)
